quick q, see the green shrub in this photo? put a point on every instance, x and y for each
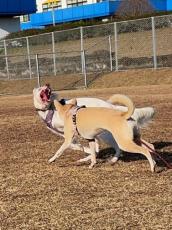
(71, 25)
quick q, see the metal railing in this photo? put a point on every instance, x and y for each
(143, 43)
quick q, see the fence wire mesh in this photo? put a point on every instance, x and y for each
(16, 46)
(134, 42)
(163, 28)
(98, 56)
(68, 68)
(86, 51)
(2, 49)
(94, 34)
(68, 40)
(3, 69)
(18, 67)
(40, 43)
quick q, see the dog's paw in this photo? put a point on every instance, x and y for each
(79, 161)
(51, 160)
(91, 165)
(113, 160)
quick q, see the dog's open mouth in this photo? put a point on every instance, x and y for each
(45, 94)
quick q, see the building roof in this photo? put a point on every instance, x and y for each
(17, 7)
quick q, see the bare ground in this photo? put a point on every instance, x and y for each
(130, 78)
(36, 195)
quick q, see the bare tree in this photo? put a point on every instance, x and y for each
(134, 8)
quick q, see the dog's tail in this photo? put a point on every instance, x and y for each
(143, 116)
(124, 100)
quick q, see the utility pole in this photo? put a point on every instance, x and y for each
(53, 14)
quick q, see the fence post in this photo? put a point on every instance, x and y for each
(84, 68)
(154, 43)
(54, 54)
(116, 46)
(82, 47)
(28, 54)
(110, 53)
(6, 59)
(37, 70)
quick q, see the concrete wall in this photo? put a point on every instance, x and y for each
(8, 25)
(88, 11)
(169, 5)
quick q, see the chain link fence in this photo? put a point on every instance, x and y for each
(87, 51)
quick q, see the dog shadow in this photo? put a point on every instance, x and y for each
(108, 153)
(161, 144)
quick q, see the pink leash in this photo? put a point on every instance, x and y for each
(153, 151)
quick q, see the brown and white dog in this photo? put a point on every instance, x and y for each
(91, 121)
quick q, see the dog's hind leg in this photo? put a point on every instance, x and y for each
(84, 159)
(92, 155)
(92, 145)
(130, 146)
(150, 146)
(117, 154)
(89, 151)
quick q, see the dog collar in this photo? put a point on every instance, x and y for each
(51, 107)
(48, 121)
(42, 110)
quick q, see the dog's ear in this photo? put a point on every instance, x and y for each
(73, 101)
(57, 105)
(34, 90)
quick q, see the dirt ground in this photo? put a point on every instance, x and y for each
(129, 78)
(64, 196)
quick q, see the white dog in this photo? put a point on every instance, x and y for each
(43, 101)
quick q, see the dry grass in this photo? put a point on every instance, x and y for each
(133, 44)
(63, 196)
(128, 78)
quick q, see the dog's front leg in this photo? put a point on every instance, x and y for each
(76, 146)
(64, 146)
(89, 151)
(80, 148)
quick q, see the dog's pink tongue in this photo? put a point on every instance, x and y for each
(44, 96)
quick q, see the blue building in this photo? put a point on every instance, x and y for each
(81, 10)
(9, 9)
